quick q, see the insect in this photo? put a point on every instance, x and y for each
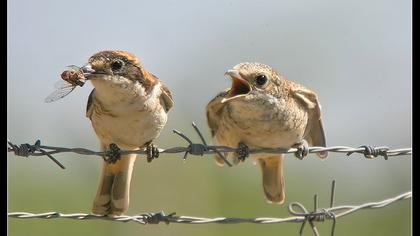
(70, 79)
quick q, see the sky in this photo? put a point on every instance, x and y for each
(357, 56)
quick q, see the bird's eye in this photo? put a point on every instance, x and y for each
(261, 80)
(116, 65)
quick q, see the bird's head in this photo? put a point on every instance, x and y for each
(251, 78)
(117, 68)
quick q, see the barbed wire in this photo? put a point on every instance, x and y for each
(299, 215)
(200, 149)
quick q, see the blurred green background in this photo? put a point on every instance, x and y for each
(355, 54)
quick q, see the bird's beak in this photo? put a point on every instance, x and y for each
(240, 87)
(88, 70)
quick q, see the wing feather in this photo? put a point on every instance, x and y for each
(314, 132)
(166, 96)
(214, 109)
(90, 104)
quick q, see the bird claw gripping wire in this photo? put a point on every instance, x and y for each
(198, 149)
(152, 152)
(371, 152)
(242, 151)
(26, 150)
(302, 149)
(156, 218)
(112, 154)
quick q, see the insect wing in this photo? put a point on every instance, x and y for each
(73, 67)
(63, 88)
(62, 84)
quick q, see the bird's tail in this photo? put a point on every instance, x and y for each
(112, 196)
(273, 180)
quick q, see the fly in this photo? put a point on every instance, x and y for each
(70, 79)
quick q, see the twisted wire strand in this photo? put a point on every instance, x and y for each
(155, 218)
(224, 149)
(200, 149)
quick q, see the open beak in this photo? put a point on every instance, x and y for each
(87, 70)
(240, 87)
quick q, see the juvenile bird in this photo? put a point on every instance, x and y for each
(262, 109)
(128, 107)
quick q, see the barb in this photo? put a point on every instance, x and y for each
(303, 216)
(317, 214)
(200, 149)
(27, 150)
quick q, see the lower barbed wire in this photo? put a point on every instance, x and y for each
(151, 218)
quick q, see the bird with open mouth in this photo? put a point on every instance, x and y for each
(262, 109)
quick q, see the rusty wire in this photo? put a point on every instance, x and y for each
(200, 149)
(299, 214)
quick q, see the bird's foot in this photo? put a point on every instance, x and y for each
(302, 149)
(152, 152)
(242, 151)
(112, 154)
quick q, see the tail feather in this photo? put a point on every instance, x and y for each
(120, 194)
(112, 195)
(273, 180)
(102, 202)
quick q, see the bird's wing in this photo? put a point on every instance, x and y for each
(89, 104)
(166, 96)
(314, 132)
(214, 110)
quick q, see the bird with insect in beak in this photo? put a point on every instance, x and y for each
(262, 109)
(128, 107)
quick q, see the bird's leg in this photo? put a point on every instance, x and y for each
(242, 151)
(152, 151)
(302, 149)
(112, 154)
